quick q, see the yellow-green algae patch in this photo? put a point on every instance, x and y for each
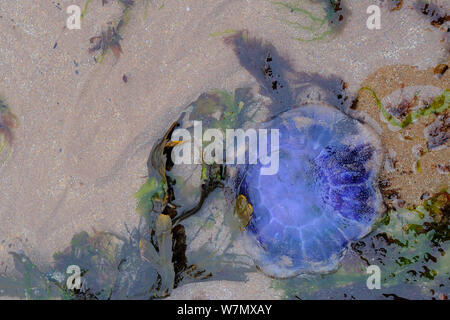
(437, 106)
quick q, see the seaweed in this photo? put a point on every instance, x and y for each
(151, 191)
(221, 33)
(147, 265)
(332, 19)
(31, 282)
(243, 210)
(110, 38)
(234, 108)
(410, 248)
(440, 69)
(98, 258)
(85, 8)
(217, 109)
(433, 12)
(8, 122)
(212, 180)
(438, 105)
(161, 260)
(155, 193)
(112, 267)
(395, 5)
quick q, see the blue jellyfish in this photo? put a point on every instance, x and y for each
(324, 196)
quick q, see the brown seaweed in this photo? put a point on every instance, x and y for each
(433, 12)
(395, 5)
(108, 39)
(440, 69)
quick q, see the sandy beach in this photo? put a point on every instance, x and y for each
(80, 151)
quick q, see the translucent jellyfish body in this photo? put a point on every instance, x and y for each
(324, 195)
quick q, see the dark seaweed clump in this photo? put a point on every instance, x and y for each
(336, 12)
(433, 12)
(395, 5)
(110, 39)
(440, 69)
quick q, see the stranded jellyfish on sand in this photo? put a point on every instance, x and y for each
(324, 195)
(302, 218)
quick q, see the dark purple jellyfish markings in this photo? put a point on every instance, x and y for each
(325, 194)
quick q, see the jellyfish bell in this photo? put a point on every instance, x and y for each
(324, 196)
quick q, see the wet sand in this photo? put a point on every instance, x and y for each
(85, 135)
